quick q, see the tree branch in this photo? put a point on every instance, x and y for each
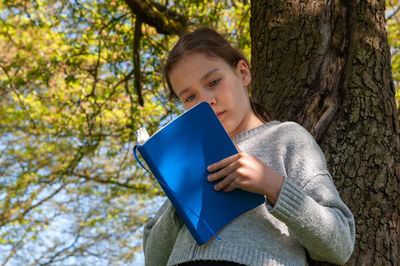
(158, 16)
(6, 218)
(137, 188)
(136, 59)
(393, 13)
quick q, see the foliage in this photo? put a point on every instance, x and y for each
(393, 28)
(69, 189)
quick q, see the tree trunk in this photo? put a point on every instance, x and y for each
(326, 65)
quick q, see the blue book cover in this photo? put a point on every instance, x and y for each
(178, 155)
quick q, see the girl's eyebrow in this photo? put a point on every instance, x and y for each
(183, 91)
(204, 77)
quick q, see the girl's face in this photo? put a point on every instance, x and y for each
(198, 77)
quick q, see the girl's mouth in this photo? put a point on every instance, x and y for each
(220, 114)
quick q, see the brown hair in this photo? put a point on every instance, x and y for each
(210, 42)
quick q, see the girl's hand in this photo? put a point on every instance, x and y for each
(247, 172)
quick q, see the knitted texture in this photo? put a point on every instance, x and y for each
(309, 215)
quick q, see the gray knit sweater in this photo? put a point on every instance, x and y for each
(308, 215)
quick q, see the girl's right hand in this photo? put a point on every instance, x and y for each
(247, 172)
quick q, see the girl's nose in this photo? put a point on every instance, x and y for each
(210, 98)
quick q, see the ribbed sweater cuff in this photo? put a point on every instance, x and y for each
(290, 200)
(246, 255)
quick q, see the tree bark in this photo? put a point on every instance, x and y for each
(326, 65)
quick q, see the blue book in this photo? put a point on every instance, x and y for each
(178, 155)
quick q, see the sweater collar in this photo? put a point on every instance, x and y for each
(253, 131)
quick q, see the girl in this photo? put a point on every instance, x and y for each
(303, 212)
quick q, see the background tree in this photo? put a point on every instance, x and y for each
(67, 114)
(326, 65)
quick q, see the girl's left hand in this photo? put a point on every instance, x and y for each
(247, 172)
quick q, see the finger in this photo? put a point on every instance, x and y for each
(223, 172)
(223, 163)
(225, 182)
(232, 186)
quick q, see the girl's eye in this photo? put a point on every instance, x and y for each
(214, 82)
(190, 98)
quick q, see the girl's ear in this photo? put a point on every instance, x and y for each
(243, 71)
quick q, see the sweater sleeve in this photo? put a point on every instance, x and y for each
(318, 218)
(159, 235)
(310, 205)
